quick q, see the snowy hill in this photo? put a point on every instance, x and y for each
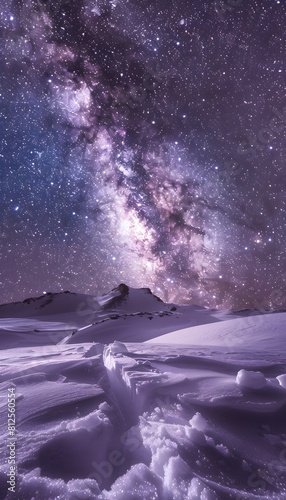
(263, 333)
(47, 305)
(126, 313)
(173, 413)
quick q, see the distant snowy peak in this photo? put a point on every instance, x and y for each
(131, 299)
(114, 297)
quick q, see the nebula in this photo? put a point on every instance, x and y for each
(126, 150)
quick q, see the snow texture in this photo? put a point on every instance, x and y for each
(150, 419)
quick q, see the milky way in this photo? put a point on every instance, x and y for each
(144, 142)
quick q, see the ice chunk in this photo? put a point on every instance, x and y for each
(89, 422)
(161, 455)
(177, 476)
(251, 380)
(139, 482)
(94, 350)
(116, 348)
(195, 489)
(105, 407)
(282, 380)
(197, 437)
(198, 422)
(198, 491)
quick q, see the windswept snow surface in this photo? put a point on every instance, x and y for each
(263, 333)
(132, 420)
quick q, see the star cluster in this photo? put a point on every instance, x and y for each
(144, 142)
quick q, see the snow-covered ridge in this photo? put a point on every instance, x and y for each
(47, 304)
(122, 297)
(132, 314)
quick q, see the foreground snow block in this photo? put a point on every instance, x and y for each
(117, 348)
(132, 382)
(250, 380)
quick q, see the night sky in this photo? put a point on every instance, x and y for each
(143, 141)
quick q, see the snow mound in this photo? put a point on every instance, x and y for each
(263, 333)
(250, 380)
(198, 422)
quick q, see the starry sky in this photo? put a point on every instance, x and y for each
(143, 141)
